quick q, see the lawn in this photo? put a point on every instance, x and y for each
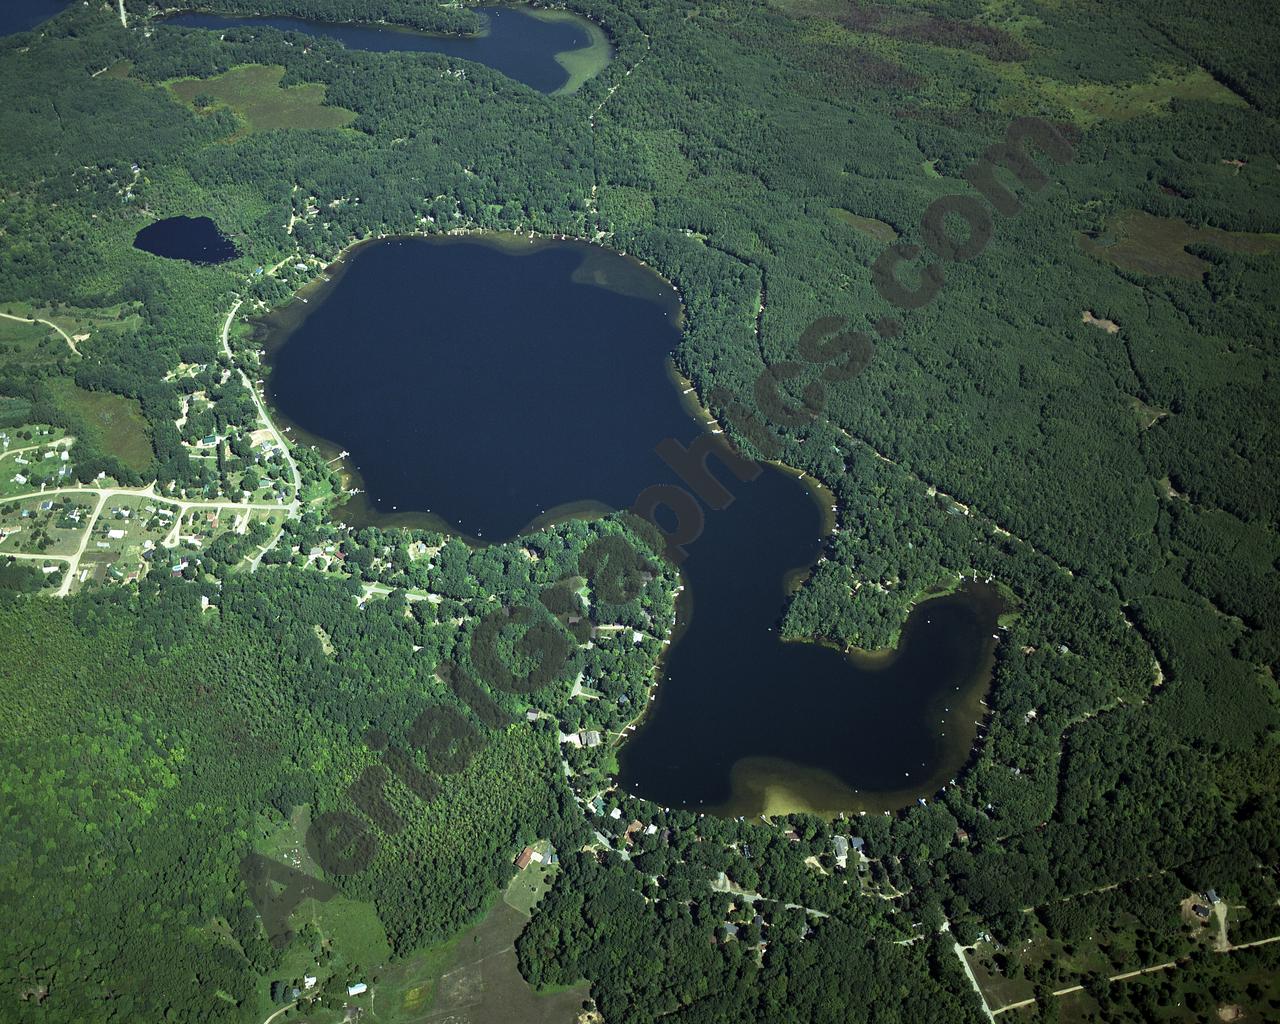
(531, 884)
(254, 93)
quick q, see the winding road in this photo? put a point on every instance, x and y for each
(37, 320)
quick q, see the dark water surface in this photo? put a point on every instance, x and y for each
(194, 239)
(492, 381)
(23, 15)
(517, 44)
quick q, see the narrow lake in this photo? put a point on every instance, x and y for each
(194, 239)
(496, 383)
(546, 50)
(24, 15)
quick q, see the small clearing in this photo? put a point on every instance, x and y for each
(869, 226)
(1145, 244)
(1110, 326)
(254, 93)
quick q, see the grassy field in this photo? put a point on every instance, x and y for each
(869, 226)
(83, 325)
(481, 983)
(254, 93)
(1092, 102)
(582, 64)
(471, 978)
(117, 419)
(531, 884)
(30, 344)
(1145, 244)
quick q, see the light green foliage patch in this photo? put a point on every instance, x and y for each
(254, 92)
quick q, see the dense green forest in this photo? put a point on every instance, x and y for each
(1085, 411)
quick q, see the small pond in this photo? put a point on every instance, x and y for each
(194, 239)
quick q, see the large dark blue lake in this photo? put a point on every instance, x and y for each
(497, 383)
(546, 50)
(23, 15)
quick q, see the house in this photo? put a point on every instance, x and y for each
(616, 813)
(357, 989)
(309, 982)
(840, 847)
(526, 855)
(531, 715)
(590, 738)
(115, 535)
(1200, 910)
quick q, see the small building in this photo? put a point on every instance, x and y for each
(526, 855)
(840, 847)
(1212, 897)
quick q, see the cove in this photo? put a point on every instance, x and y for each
(194, 239)
(550, 51)
(24, 15)
(486, 385)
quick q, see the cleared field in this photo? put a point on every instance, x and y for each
(117, 419)
(531, 884)
(82, 325)
(869, 226)
(253, 92)
(1094, 102)
(1145, 244)
(482, 984)
(30, 344)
